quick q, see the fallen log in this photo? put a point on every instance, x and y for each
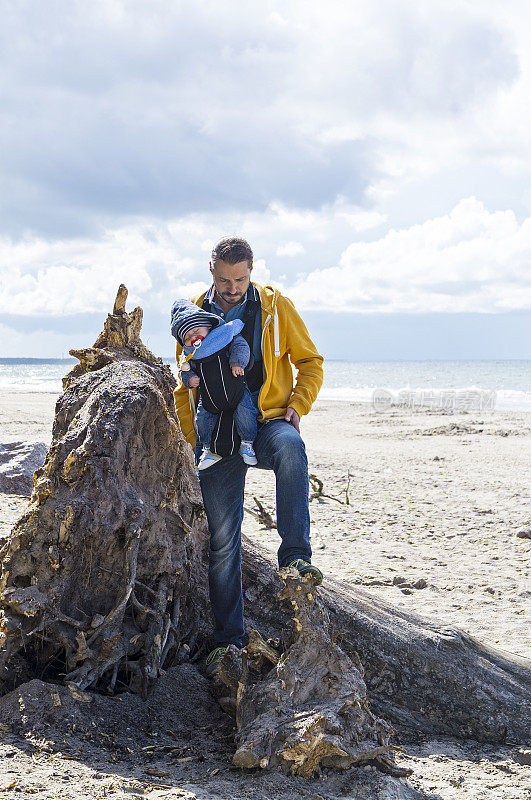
(424, 677)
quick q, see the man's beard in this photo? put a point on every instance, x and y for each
(232, 298)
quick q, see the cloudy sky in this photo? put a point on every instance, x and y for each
(375, 154)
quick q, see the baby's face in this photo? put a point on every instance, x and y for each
(194, 333)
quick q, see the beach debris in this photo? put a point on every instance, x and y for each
(18, 462)
(453, 428)
(158, 773)
(523, 756)
(101, 575)
(457, 429)
(305, 707)
(262, 514)
(523, 431)
(406, 585)
(347, 488)
(317, 487)
(398, 580)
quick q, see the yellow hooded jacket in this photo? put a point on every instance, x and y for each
(285, 341)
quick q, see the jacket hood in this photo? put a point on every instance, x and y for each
(268, 297)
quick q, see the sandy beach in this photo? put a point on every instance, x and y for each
(436, 499)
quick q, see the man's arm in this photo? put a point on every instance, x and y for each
(305, 357)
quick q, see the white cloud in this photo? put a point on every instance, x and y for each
(159, 260)
(141, 133)
(470, 260)
(290, 249)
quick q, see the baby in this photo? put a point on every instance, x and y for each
(205, 339)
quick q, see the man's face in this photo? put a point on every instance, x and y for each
(231, 280)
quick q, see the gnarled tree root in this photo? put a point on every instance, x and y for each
(305, 707)
(103, 576)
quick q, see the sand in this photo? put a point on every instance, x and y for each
(436, 500)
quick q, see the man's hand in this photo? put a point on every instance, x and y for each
(194, 381)
(293, 417)
(237, 371)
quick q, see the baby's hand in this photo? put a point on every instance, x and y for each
(194, 381)
(237, 371)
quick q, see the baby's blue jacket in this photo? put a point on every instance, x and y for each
(239, 351)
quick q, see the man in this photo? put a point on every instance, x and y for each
(278, 339)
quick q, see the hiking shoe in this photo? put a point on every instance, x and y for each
(213, 659)
(305, 568)
(248, 454)
(207, 459)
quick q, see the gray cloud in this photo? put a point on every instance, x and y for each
(118, 110)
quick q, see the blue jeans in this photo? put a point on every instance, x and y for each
(279, 447)
(245, 415)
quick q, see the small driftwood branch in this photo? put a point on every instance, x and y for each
(318, 493)
(262, 515)
(347, 487)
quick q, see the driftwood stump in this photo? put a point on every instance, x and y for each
(103, 576)
(104, 584)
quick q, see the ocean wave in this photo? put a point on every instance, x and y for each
(54, 386)
(436, 385)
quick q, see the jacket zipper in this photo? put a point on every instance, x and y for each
(276, 334)
(266, 323)
(264, 330)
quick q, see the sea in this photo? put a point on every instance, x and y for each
(480, 385)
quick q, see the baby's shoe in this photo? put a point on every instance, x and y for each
(248, 454)
(207, 459)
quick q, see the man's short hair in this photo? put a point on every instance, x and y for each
(232, 251)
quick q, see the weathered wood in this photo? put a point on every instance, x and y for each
(117, 503)
(308, 708)
(262, 515)
(422, 676)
